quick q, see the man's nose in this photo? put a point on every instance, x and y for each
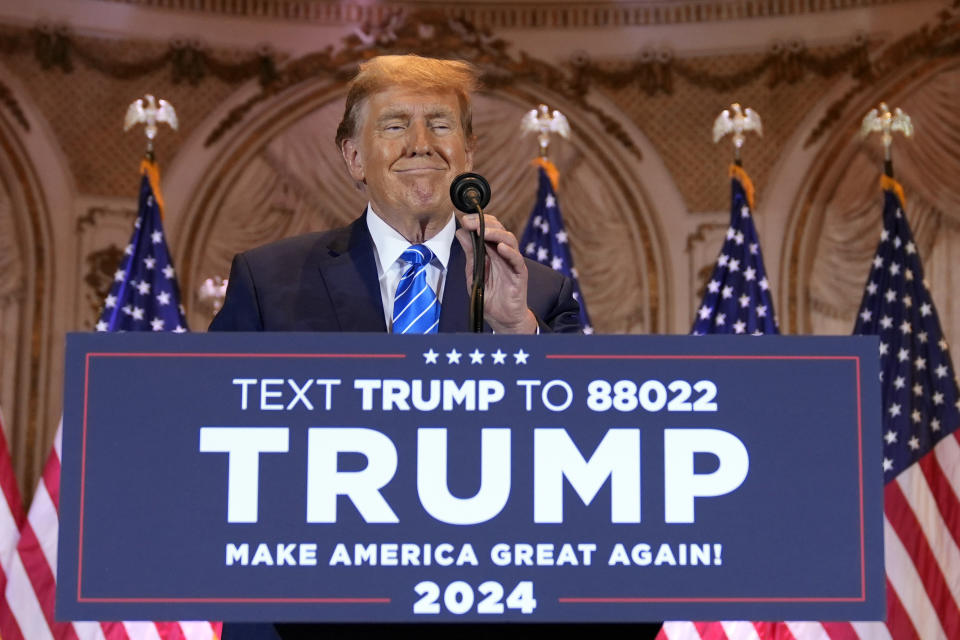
(419, 141)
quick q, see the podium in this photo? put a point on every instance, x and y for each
(470, 478)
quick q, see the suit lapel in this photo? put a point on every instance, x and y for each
(455, 308)
(349, 270)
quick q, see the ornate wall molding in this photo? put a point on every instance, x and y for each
(517, 15)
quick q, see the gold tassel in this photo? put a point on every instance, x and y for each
(152, 171)
(889, 184)
(741, 175)
(550, 168)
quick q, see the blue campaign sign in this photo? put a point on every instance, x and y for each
(376, 478)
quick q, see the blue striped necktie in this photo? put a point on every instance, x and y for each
(415, 307)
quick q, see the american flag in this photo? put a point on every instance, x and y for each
(921, 463)
(11, 518)
(144, 297)
(545, 239)
(737, 298)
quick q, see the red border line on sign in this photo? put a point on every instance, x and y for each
(83, 471)
(863, 575)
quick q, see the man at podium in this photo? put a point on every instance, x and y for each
(404, 266)
(406, 134)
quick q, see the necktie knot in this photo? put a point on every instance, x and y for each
(417, 255)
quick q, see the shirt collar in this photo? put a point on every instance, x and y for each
(390, 245)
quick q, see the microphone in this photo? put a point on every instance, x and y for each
(470, 192)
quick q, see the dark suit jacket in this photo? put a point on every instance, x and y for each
(327, 281)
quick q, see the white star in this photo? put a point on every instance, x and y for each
(749, 273)
(545, 227)
(890, 436)
(884, 235)
(721, 319)
(499, 357)
(942, 343)
(934, 424)
(908, 274)
(918, 389)
(897, 242)
(713, 286)
(866, 314)
(739, 326)
(137, 313)
(922, 337)
(119, 275)
(561, 236)
(727, 292)
(168, 271)
(911, 248)
(127, 309)
(762, 311)
(587, 330)
(764, 284)
(738, 238)
(745, 212)
(723, 260)
(914, 443)
(542, 254)
(884, 348)
(734, 265)
(937, 398)
(731, 232)
(520, 357)
(556, 263)
(887, 464)
(894, 410)
(872, 288)
(705, 312)
(920, 363)
(926, 309)
(143, 287)
(941, 371)
(156, 324)
(531, 247)
(476, 357)
(915, 415)
(550, 201)
(905, 327)
(886, 322)
(430, 357)
(179, 329)
(899, 382)
(101, 326)
(127, 250)
(891, 295)
(163, 298)
(903, 355)
(156, 237)
(894, 268)
(878, 262)
(110, 302)
(453, 356)
(744, 301)
(907, 301)
(149, 262)
(754, 247)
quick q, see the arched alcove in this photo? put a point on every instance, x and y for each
(279, 174)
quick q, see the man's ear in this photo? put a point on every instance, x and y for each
(470, 158)
(353, 160)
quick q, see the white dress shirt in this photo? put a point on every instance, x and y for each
(389, 245)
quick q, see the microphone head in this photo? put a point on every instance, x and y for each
(468, 191)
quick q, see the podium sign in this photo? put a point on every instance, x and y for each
(376, 478)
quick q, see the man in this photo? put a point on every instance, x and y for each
(406, 133)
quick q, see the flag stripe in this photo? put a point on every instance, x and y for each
(711, 631)
(26, 609)
(740, 630)
(41, 577)
(910, 532)
(899, 623)
(839, 630)
(806, 630)
(873, 630)
(909, 588)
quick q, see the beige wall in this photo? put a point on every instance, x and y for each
(643, 189)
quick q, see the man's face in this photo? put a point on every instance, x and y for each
(409, 148)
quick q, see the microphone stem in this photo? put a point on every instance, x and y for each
(479, 275)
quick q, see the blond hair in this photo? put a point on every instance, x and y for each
(427, 74)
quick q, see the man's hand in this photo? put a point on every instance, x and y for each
(505, 294)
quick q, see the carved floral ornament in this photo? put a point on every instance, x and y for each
(443, 34)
